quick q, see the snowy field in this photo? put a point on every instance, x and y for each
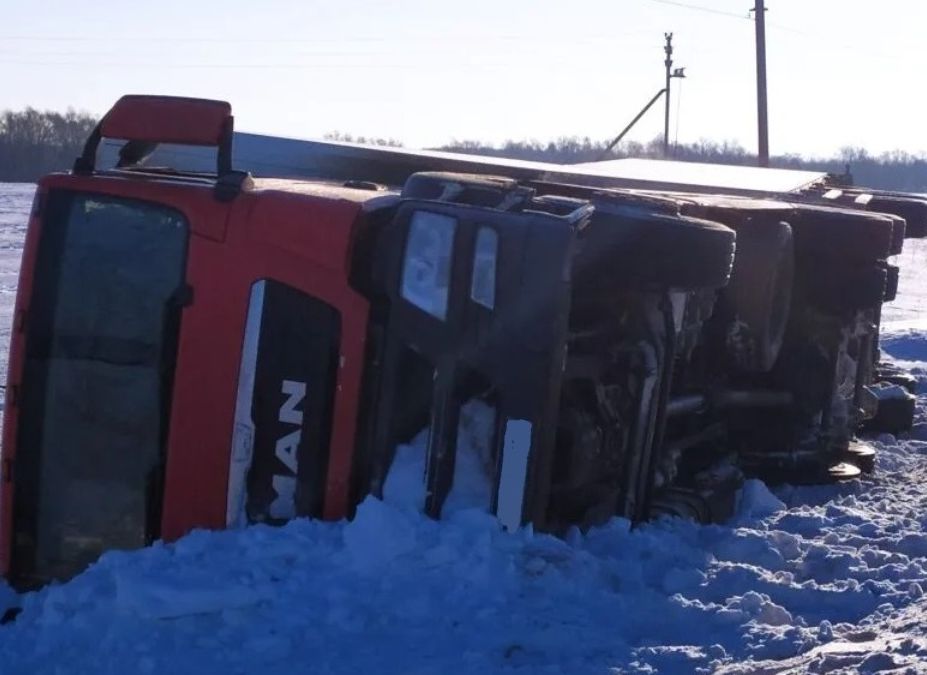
(825, 579)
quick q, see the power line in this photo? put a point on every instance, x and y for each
(324, 66)
(789, 29)
(820, 38)
(468, 37)
(701, 8)
(816, 36)
(828, 42)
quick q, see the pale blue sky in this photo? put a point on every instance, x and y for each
(426, 71)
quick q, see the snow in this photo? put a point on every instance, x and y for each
(15, 204)
(887, 392)
(756, 500)
(803, 579)
(472, 486)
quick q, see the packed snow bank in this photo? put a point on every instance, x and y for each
(472, 484)
(811, 579)
(809, 576)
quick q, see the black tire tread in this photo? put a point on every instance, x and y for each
(636, 249)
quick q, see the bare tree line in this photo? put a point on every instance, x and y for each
(33, 143)
(896, 170)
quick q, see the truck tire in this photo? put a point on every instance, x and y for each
(891, 282)
(640, 250)
(895, 414)
(831, 237)
(913, 210)
(847, 289)
(899, 229)
(760, 294)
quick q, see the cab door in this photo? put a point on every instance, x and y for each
(472, 351)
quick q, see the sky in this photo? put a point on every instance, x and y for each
(425, 72)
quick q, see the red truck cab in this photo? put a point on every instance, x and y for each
(194, 350)
(155, 365)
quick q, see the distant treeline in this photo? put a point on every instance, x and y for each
(33, 142)
(897, 170)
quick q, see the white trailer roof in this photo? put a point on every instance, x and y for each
(272, 156)
(694, 174)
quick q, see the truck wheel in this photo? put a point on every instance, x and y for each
(837, 237)
(895, 413)
(891, 282)
(639, 250)
(842, 290)
(913, 210)
(899, 228)
(760, 294)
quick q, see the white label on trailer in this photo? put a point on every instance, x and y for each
(516, 448)
(242, 450)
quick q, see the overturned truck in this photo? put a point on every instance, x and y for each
(209, 349)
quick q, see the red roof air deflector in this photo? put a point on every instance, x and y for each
(144, 122)
(168, 119)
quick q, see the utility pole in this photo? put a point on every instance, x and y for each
(670, 74)
(759, 15)
(668, 62)
(617, 139)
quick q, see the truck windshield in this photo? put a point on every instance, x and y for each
(101, 343)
